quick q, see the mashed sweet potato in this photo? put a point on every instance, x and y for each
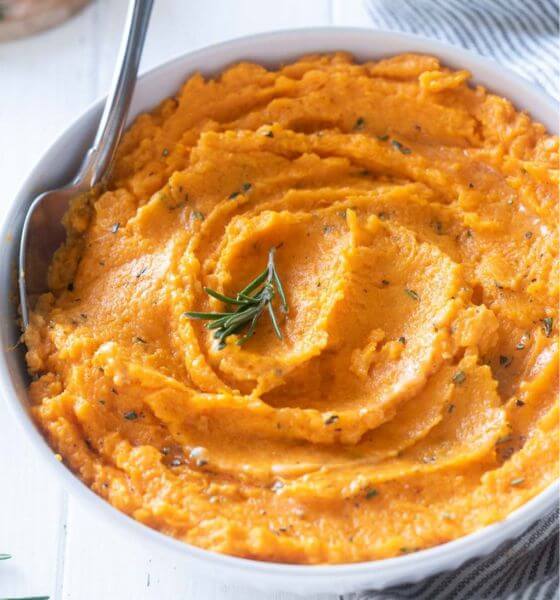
(412, 399)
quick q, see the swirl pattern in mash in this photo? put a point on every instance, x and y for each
(412, 398)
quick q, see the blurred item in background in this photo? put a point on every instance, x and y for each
(522, 35)
(19, 18)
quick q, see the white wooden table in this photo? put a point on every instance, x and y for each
(59, 549)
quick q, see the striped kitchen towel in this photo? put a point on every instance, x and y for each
(523, 569)
(523, 35)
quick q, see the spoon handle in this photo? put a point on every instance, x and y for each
(97, 162)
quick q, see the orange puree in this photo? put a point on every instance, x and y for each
(412, 399)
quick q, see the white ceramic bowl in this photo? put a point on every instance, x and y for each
(59, 164)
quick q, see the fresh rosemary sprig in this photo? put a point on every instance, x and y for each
(251, 302)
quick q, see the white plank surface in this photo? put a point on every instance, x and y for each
(46, 81)
(36, 103)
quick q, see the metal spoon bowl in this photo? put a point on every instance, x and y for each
(43, 232)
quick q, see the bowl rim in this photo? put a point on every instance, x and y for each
(466, 547)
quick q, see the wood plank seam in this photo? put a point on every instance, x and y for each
(62, 532)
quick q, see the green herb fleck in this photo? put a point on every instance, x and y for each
(505, 439)
(412, 294)
(165, 152)
(383, 138)
(332, 419)
(385, 282)
(402, 340)
(371, 493)
(277, 486)
(505, 361)
(522, 342)
(402, 149)
(360, 123)
(547, 326)
(196, 214)
(269, 134)
(459, 377)
(437, 227)
(245, 187)
(131, 415)
(179, 204)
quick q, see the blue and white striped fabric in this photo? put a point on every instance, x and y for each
(523, 35)
(523, 569)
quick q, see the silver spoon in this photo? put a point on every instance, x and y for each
(43, 232)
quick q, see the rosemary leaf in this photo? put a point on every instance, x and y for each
(219, 322)
(274, 321)
(250, 331)
(206, 315)
(223, 298)
(222, 334)
(254, 284)
(242, 317)
(280, 289)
